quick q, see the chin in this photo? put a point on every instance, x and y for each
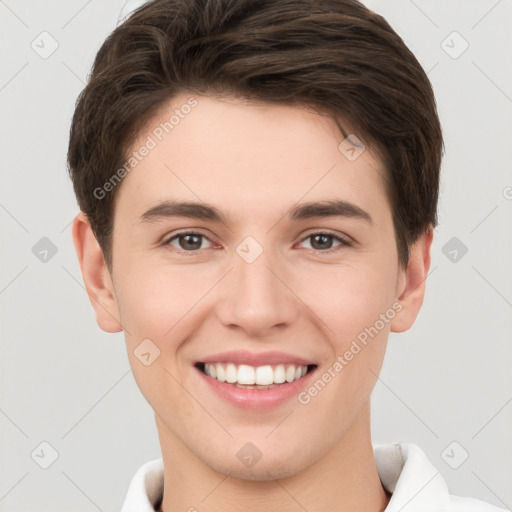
(260, 472)
(270, 465)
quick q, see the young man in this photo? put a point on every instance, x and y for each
(258, 188)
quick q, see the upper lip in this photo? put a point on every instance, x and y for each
(255, 359)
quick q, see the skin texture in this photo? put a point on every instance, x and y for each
(254, 162)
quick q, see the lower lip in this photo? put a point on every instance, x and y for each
(256, 399)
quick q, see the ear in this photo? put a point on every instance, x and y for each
(98, 282)
(411, 283)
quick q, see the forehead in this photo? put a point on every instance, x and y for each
(241, 155)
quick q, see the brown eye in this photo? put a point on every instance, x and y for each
(187, 241)
(325, 241)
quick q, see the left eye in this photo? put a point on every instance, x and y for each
(324, 241)
(188, 241)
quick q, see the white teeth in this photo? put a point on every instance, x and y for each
(280, 374)
(290, 374)
(264, 375)
(231, 373)
(219, 370)
(246, 375)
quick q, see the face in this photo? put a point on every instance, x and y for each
(253, 284)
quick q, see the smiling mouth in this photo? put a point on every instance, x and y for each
(255, 377)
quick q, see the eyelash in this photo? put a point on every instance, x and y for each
(343, 242)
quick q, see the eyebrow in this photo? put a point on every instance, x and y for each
(203, 211)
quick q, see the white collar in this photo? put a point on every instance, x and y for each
(404, 469)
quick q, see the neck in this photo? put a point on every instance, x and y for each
(345, 479)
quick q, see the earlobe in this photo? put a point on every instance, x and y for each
(97, 280)
(412, 283)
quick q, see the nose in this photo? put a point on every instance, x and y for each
(257, 297)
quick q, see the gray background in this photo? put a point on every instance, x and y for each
(67, 383)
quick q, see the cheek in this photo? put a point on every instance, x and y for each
(355, 303)
(151, 305)
(349, 299)
(153, 300)
(349, 372)
(162, 304)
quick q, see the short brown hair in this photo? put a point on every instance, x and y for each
(336, 56)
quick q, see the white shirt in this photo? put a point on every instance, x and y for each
(404, 469)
